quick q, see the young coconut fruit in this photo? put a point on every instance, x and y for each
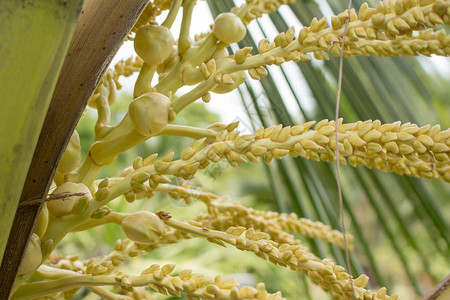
(64, 206)
(33, 256)
(153, 44)
(143, 227)
(72, 156)
(150, 113)
(229, 28)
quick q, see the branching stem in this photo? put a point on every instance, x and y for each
(187, 131)
(183, 40)
(174, 8)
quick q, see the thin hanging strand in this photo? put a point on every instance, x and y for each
(338, 177)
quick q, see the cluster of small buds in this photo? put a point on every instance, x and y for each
(197, 286)
(158, 279)
(98, 90)
(139, 178)
(185, 191)
(148, 15)
(225, 221)
(140, 184)
(277, 225)
(71, 263)
(306, 227)
(427, 42)
(403, 149)
(370, 35)
(201, 36)
(325, 273)
(373, 34)
(126, 68)
(370, 39)
(108, 264)
(384, 31)
(256, 8)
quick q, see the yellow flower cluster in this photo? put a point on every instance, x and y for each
(395, 147)
(275, 224)
(125, 68)
(256, 8)
(403, 149)
(383, 31)
(197, 286)
(151, 11)
(156, 278)
(325, 273)
(222, 215)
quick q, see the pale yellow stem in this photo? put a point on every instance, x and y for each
(183, 40)
(174, 8)
(187, 131)
(144, 81)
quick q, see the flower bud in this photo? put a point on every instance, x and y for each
(229, 28)
(64, 206)
(72, 156)
(237, 77)
(143, 227)
(149, 113)
(153, 44)
(33, 256)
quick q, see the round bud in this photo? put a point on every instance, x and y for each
(229, 28)
(143, 227)
(64, 206)
(33, 256)
(72, 156)
(153, 44)
(149, 113)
